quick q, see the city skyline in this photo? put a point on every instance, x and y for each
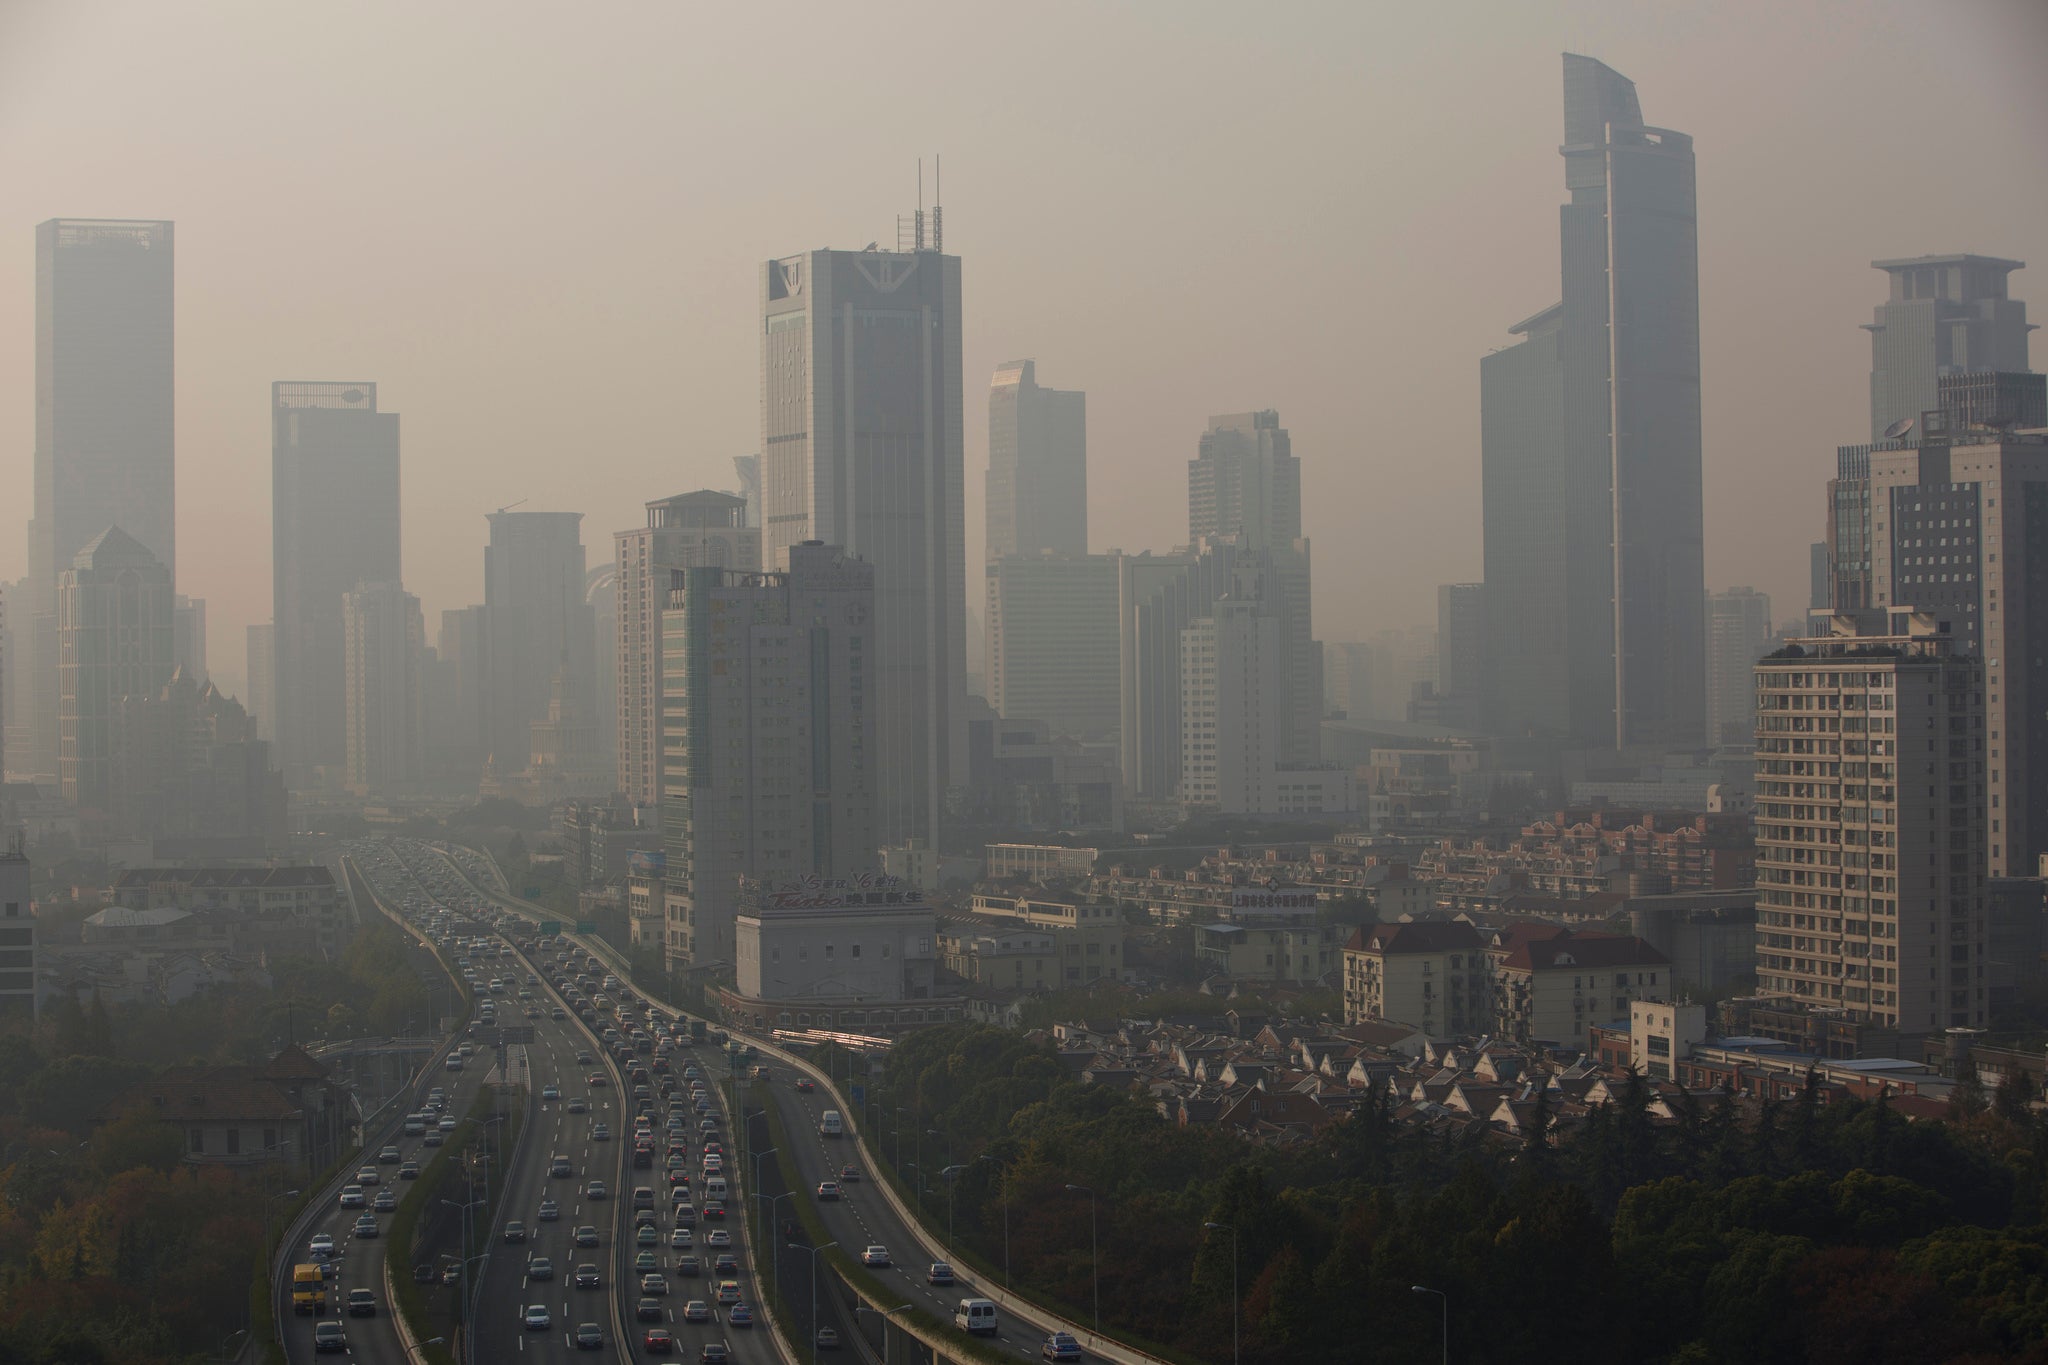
(1017, 277)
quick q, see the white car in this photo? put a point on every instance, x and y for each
(537, 1318)
(321, 1247)
(875, 1257)
(352, 1196)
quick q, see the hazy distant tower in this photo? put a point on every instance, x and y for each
(383, 654)
(861, 448)
(113, 642)
(1738, 634)
(1944, 315)
(535, 615)
(1037, 493)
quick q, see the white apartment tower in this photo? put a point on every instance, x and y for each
(384, 642)
(1233, 705)
(768, 685)
(691, 530)
(1871, 824)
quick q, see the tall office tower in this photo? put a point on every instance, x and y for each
(1738, 634)
(1945, 315)
(188, 636)
(535, 613)
(17, 933)
(1158, 596)
(1232, 683)
(105, 453)
(601, 596)
(690, 530)
(333, 526)
(1245, 481)
(1600, 405)
(1037, 493)
(1460, 651)
(1053, 650)
(1839, 727)
(748, 469)
(113, 642)
(460, 741)
(1820, 585)
(384, 641)
(861, 448)
(768, 692)
(262, 667)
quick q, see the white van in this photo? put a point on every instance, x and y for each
(714, 1187)
(830, 1125)
(976, 1316)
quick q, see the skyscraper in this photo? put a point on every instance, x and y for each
(384, 640)
(690, 530)
(748, 470)
(768, 698)
(1245, 481)
(861, 449)
(460, 741)
(1944, 315)
(105, 453)
(334, 525)
(535, 616)
(1037, 492)
(1600, 405)
(1738, 634)
(1460, 651)
(262, 668)
(1052, 641)
(188, 636)
(113, 642)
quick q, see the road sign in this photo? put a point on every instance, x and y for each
(490, 1037)
(515, 1033)
(860, 1096)
(551, 927)
(586, 926)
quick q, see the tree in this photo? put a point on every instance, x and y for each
(136, 1139)
(2011, 1098)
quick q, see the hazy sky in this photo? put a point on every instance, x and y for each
(538, 228)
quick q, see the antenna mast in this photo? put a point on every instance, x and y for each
(938, 218)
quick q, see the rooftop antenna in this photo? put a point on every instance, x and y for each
(938, 214)
(510, 505)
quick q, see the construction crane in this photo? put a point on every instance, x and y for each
(510, 505)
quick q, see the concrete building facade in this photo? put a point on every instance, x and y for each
(535, 617)
(1428, 975)
(113, 642)
(384, 643)
(1739, 631)
(1053, 646)
(1037, 489)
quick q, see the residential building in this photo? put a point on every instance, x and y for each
(1054, 651)
(384, 642)
(1038, 862)
(1590, 450)
(1943, 315)
(1662, 1034)
(1003, 958)
(1236, 716)
(334, 526)
(1847, 820)
(535, 617)
(701, 529)
(113, 641)
(601, 600)
(1550, 984)
(1739, 631)
(1430, 975)
(1024, 778)
(1271, 934)
(1245, 481)
(1087, 939)
(459, 740)
(862, 449)
(836, 953)
(1037, 490)
(1460, 653)
(646, 883)
(17, 935)
(287, 1112)
(768, 682)
(186, 765)
(1159, 596)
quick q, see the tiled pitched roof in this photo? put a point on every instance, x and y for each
(1416, 936)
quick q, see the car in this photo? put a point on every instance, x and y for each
(594, 1190)
(589, 1337)
(434, 1138)
(538, 1318)
(597, 1080)
(875, 1256)
(653, 1283)
(726, 1264)
(540, 1268)
(582, 1058)
(707, 1125)
(648, 1310)
(385, 1202)
(447, 1124)
(647, 1235)
(550, 1092)
(586, 1236)
(1060, 1346)
(557, 1013)
(828, 1339)
(803, 1084)
(409, 1171)
(424, 1274)
(369, 1175)
(515, 1231)
(718, 1237)
(644, 1218)
(600, 1132)
(713, 1353)
(388, 1156)
(362, 1303)
(696, 1310)
(587, 1276)
(559, 1168)
(646, 1261)
(938, 1272)
(329, 1336)
(659, 1341)
(681, 1238)
(366, 1226)
(728, 1291)
(549, 1211)
(739, 1315)
(828, 1190)
(351, 1196)
(579, 1105)
(849, 1174)
(688, 1264)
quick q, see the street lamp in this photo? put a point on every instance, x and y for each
(1219, 1227)
(951, 1175)
(768, 1228)
(794, 1246)
(1094, 1258)
(900, 1112)
(883, 1314)
(1420, 1289)
(1003, 1175)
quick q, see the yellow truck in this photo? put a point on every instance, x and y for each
(309, 1289)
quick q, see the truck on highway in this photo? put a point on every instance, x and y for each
(696, 1030)
(309, 1290)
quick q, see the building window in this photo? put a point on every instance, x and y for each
(197, 1140)
(234, 1142)
(856, 950)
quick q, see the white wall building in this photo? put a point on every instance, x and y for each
(834, 944)
(384, 642)
(1235, 714)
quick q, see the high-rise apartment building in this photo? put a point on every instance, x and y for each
(862, 448)
(105, 452)
(535, 616)
(17, 934)
(691, 530)
(384, 641)
(1945, 315)
(460, 741)
(1245, 481)
(334, 526)
(1590, 449)
(1158, 596)
(1037, 492)
(1460, 652)
(1738, 634)
(1871, 824)
(1053, 648)
(1236, 714)
(768, 695)
(262, 668)
(188, 636)
(113, 642)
